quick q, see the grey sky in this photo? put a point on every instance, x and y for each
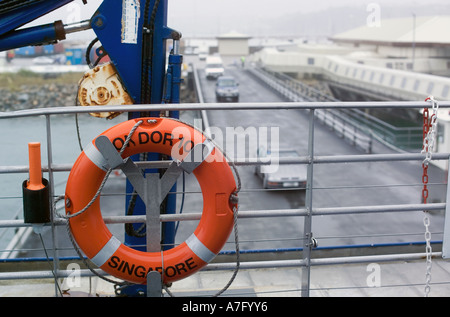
(259, 17)
(213, 17)
(268, 8)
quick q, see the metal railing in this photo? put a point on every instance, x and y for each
(291, 88)
(307, 213)
(354, 124)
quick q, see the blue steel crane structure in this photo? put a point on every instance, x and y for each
(133, 34)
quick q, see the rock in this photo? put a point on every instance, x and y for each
(30, 97)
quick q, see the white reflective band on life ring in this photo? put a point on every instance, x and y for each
(106, 252)
(199, 249)
(96, 157)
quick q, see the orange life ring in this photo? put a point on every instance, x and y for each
(156, 135)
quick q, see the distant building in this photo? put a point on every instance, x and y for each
(421, 44)
(233, 44)
(402, 59)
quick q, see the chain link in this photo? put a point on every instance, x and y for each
(429, 138)
(426, 128)
(428, 251)
(429, 130)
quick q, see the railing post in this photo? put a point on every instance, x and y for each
(307, 244)
(52, 195)
(446, 236)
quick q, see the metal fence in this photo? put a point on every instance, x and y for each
(307, 213)
(356, 125)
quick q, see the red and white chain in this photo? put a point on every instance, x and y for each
(429, 138)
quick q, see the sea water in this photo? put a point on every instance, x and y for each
(17, 133)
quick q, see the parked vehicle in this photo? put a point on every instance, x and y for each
(43, 60)
(286, 175)
(227, 88)
(214, 67)
(202, 56)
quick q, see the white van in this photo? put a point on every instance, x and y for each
(214, 67)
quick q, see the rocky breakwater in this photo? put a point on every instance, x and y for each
(37, 96)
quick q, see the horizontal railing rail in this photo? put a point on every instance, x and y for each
(247, 214)
(71, 110)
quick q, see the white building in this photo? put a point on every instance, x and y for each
(421, 44)
(397, 60)
(233, 44)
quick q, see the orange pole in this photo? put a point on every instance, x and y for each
(34, 154)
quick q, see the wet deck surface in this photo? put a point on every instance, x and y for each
(396, 279)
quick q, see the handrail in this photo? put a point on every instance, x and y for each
(247, 214)
(245, 265)
(221, 106)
